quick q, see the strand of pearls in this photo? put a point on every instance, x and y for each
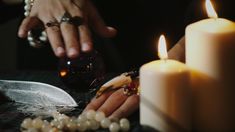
(89, 121)
(33, 41)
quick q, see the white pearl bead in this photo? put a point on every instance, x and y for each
(26, 1)
(27, 123)
(54, 123)
(46, 127)
(30, 38)
(99, 116)
(61, 125)
(88, 124)
(114, 127)
(32, 130)
(27, 7)
(81, 118)
(105, 123)
(124, 124)
(37, 123)
(53, 130)
(26, 13)
(54, 114)
(44, 33)
(94, 125)
(82, 126)
(72, 126)
(63, 117)
(90, 114)
(33, 44)
(73, 119)
(43, 38)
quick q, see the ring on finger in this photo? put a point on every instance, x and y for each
(131, 88)
(67, 18)
(77, 21)
(52, 24)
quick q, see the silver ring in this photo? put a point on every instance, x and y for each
(52, 24)
(67, 18)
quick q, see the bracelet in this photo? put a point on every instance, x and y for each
(34, 41)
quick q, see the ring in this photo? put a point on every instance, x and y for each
(77, 21)
(67, 18)
(131, 88)
(52, 24)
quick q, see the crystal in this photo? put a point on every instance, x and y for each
(82, 71)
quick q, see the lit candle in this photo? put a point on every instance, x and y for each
(165, 93)
(210, 53)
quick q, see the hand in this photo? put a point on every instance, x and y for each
(115, 104)
(66, 39)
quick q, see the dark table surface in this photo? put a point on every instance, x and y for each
(11, 118)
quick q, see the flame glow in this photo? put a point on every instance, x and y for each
(162, 50)
(63, 73)
(210, 10)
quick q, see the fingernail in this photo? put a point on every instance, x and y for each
(21, 33)
(86, 47)
(72, 53)
(60, 51)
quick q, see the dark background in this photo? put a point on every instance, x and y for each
(139, 24)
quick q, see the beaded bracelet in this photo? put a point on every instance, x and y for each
(34, 41)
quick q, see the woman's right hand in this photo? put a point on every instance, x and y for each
(66, 39)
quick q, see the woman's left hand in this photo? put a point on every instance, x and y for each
(115, 104)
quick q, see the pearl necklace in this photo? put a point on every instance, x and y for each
(33, 41)
(90, 120)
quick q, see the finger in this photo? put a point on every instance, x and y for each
(97, 102)
(55, 38)
(84, 32)
(98, 24)
(130, 105)
(113, 102)
(85, 38)
(70, 37)
(27, 24)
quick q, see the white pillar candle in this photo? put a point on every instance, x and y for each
(165, 94)
(210, 52)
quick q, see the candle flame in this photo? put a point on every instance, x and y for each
(210, 10)
(162, 50)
